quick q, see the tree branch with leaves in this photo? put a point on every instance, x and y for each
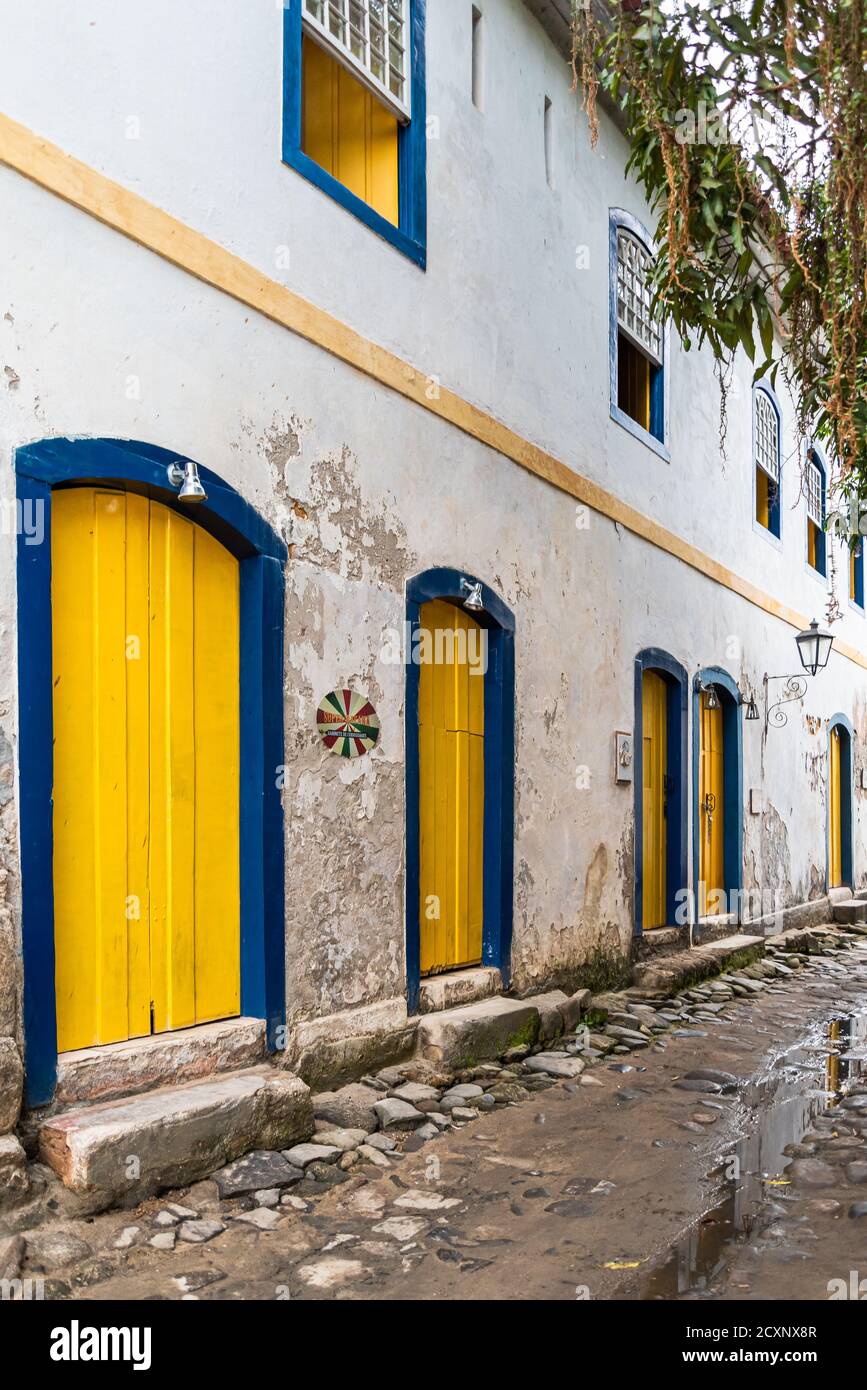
(747, 125)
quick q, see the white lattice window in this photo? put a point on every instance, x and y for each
(371, 38)
(767, 437)
(815, 494)
(634, 297)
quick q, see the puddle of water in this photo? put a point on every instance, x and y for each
(802, 1083)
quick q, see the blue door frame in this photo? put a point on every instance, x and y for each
(847, 801)
(40, 468)
(733, 777)
(677, 683)
(498, 852)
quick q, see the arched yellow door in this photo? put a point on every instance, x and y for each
(654, 711)
(145, 634)
(711, 810)
(451, 729)
(835, 829)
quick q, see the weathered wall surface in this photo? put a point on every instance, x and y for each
(102, 338)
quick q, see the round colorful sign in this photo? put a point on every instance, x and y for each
(347, 722)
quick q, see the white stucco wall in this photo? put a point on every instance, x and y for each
(105, 339)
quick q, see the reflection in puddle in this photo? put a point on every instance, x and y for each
(801, 1084)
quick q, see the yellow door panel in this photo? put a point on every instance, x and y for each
(217, 725)
(145, 634)
(173, 767)
(138, 763)
(346, 131)
(835, 854)
(763, 503)
(655, 763)
(451, 790)
(711, 810)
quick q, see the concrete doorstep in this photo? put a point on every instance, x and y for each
(459, 1038)
(125, 1150)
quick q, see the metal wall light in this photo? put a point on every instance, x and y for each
(473, 590)
(187, 478)
(814, 649)
(711, 697)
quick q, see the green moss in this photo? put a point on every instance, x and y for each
(525, 1036)
(741, 959)
(604, 972)
(738, 961)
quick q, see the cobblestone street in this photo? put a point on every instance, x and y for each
(618, 1183)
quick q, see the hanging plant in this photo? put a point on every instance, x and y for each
(747, 125)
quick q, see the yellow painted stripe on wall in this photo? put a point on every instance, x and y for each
(191, 251)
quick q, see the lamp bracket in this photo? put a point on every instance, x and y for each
(795, 688)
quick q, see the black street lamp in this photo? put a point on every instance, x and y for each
(814, 648)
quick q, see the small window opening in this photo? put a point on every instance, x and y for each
(478, 61)
(549, 142)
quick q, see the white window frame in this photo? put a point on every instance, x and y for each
(815, 494)
(646, 335)
(767, 426)
(318, 29)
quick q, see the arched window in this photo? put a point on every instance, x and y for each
(766, 454)
(637, 337)
(815, 488)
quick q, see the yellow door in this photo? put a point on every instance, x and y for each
(711, 811)
(835, 846)
(654, 710)
(145, 631)
(451, 718)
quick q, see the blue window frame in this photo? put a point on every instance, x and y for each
(816, 487)
(637, 343)
(410, 235)
(141, 467)
(767, 461)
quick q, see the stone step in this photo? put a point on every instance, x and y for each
(660, 941)
(477, 1033)
(669, 974)
(855, 910)
(94, 1074)
(839, 895)
(124, 1150)
(458, 987)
